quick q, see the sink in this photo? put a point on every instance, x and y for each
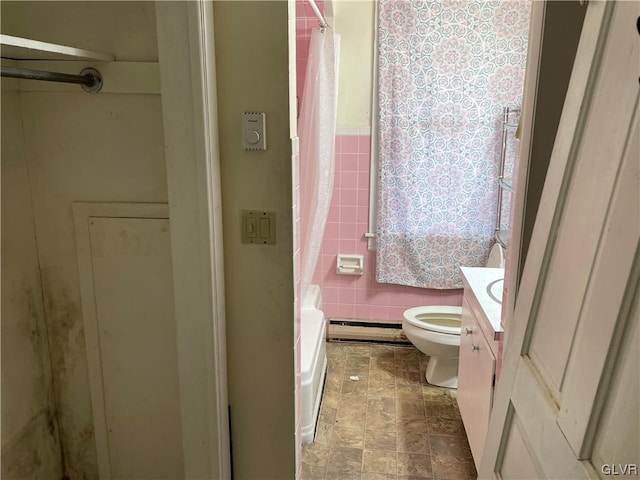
(494, 290)
(484, 287)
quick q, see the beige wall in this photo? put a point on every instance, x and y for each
(80, 147)
(252, 75)
(30, 437)
(562, 28)
(354, 21)
(125, 29)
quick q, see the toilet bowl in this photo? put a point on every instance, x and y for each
(435, 331)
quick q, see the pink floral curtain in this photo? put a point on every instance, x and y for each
(446, 70)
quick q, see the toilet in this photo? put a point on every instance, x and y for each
(435, 331)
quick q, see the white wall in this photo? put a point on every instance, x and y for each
(252, 75)
(30, 437)
(80, 147)
(354, 21)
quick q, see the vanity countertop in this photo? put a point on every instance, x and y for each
(477, 279)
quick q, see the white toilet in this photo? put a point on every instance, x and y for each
(435, 331)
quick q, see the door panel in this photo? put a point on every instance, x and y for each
(537, 412)
(126, 280)
(517, 463)
(606, 292)
(586, 205)
(616, 443)
(134, 309)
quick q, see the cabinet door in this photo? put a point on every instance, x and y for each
(475, 381)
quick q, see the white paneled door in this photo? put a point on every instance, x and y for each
(567, 405)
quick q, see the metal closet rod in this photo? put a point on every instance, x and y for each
(89, 78)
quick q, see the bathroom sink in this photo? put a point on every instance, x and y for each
(494, 289)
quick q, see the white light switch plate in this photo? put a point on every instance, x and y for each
(254, 131)
(258, 227)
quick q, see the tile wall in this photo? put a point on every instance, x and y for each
(346, 296)
(306, 20)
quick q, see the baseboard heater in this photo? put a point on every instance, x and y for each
(366, 330)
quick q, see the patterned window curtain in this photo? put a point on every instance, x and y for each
(446, 70)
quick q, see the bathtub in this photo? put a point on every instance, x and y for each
(313, 359)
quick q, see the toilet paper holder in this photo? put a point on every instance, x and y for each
(347, 264)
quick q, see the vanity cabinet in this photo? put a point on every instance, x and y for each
(479, 342)
(476, 378)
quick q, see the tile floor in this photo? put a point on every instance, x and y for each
(388, 425)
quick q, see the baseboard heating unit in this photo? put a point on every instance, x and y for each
(366, 330)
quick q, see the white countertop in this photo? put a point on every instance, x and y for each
(477, 279)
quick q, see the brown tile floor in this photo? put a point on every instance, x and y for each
(388, 425)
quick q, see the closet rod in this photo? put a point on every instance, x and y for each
(89, 78)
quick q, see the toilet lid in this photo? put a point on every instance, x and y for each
(442, 322)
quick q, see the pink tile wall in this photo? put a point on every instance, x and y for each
(306, 20)
(346, 296)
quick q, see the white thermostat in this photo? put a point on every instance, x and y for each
(254, 132)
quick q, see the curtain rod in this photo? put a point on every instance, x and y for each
(89, 78)
(316, 10)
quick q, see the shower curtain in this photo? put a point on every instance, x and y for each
(446, 69)
(317, 131)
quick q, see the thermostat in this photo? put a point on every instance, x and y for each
(254, 133)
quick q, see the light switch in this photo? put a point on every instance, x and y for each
(258, 227)
(252, 227)
(254, 133)
(265, 228)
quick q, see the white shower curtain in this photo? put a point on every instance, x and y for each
(317, 130)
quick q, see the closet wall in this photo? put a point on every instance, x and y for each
(30, 437)
(76, 147)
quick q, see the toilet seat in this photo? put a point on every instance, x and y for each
(443, 320)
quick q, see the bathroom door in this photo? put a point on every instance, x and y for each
(567, 402)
